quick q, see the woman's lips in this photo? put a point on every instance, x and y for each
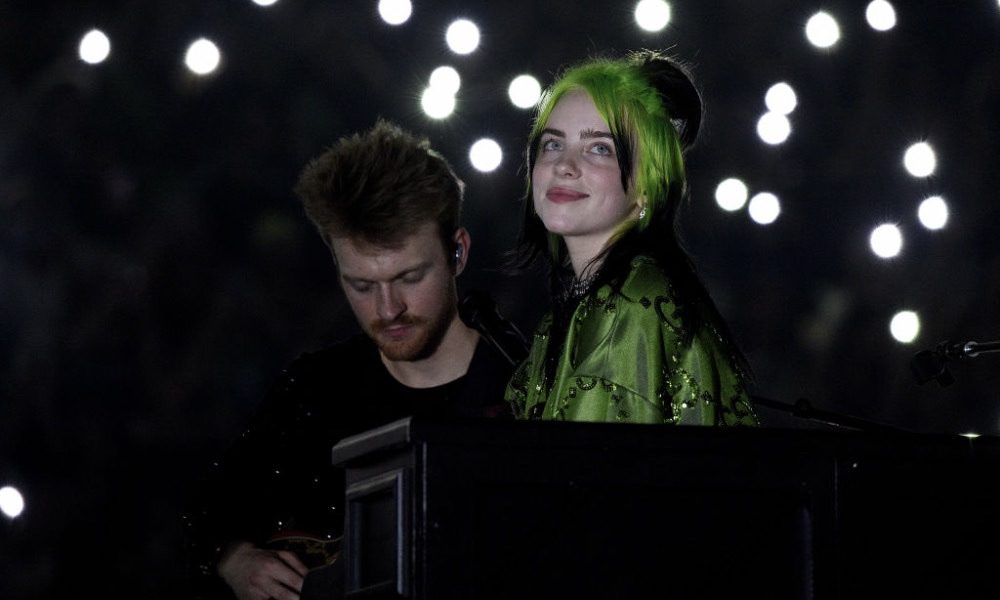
(560, 195)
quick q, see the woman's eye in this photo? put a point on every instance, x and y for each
(413, 278)
(551, 145)
(602, 149)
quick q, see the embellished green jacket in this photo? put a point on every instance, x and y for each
(633, 356)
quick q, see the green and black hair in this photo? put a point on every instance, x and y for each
(653, 111)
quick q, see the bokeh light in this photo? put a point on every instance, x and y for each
(11, 502)
(395, 12)
(446, 80)
(202, 57)
(933, 213)
(94, 47)
(773, 128)
(462, 36)
(652, 15)
(905, 326)
(437, 103)
(265, 2)
(524, 91)
(881, 15)
(920, 160)
(485, 155)
(781, 99)
(886, 240)
(764, 208)
(822, 30)
(731, 194)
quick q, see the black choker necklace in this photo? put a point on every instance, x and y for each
(577, 288)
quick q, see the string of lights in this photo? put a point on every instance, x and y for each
(858, 264)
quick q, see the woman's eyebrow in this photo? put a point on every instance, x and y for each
(584, 135)
(595, 133)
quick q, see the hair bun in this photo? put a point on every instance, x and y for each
(676, 87)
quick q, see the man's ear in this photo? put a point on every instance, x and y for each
(461, 242)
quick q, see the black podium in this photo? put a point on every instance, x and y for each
(499, 509)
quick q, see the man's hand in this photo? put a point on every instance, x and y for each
(256, 574)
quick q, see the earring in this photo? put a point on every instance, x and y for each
(458, 253)
(642, 212)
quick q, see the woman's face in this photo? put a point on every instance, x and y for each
(576, 181)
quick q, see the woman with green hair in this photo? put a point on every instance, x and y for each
(633, 335)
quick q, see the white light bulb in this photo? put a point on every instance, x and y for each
(886, 241)
(822, 30)
(485, 155)
(764, 208)
(94, 47)
(202, 57)
(652, 15)
(731, 194)
(905, 326)
(462, 36)
(920, 160)
(395, 12)
(524, 91)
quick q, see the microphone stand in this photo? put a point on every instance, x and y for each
(804, 410)
(478, 310)
(933, 364)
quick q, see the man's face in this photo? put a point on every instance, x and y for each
(403, 298)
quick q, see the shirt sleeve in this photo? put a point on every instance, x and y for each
(239, 495)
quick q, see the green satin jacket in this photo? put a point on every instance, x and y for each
(633, 356)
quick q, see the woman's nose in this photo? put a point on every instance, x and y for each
(566, 166)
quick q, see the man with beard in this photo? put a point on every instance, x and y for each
(388, 208)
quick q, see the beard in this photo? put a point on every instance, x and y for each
(422, 339)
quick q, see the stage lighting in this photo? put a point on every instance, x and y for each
(920, 159)
(822, 30)
(781, 99)
(485, 155)
(933, 213)
(905, 326)
(265, 2)
(731, 194)
(446, 79)
(524, 91)
(11, 502)
(764, 208)
(395, 12)
(437, 104)
(652, 15)
(881, 15)
(462, 36)
(773, 128)
(202, 57)
(94, 47)
(886, 240)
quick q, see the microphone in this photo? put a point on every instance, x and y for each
(932, 364)
(480, 312)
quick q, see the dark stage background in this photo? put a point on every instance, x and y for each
(156, 271)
